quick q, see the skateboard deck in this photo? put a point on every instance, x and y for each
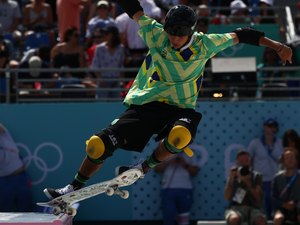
(63, 204)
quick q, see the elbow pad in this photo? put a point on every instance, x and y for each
(130, 6)
(249, 35)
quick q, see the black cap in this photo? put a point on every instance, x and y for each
(270, 121)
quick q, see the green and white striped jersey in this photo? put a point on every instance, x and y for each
(172, 76)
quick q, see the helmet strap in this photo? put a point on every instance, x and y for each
(187, 43)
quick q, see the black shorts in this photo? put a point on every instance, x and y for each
(140, 122)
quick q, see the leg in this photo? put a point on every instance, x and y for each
(278, 218)
(179, 137)
(23, 199)
(168, 207)
(260, 220)
(88, 168)
(267, 198)
(257, 217)
(6, 194)
(232, 217)
(184, 204)
(98, 148)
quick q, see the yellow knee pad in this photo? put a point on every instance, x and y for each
(179, 137)
(95, 147)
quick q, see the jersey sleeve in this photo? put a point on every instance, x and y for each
(215, 43)
(151, 31)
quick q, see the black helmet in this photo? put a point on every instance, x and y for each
(180, 21)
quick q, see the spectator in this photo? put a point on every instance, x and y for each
(43, 52)
(37, 17)
(286, 190)
(265, 153)
(202, 25)
(203, 11)
(266, 13)
(10, 15)
(101, 20)
(128, 29)
(238, 12)
(5, 54)
(177, 188)
(96, 39)
(92, 12)
(291, 139)
(269, 59)
(70, 19)
(224, 7)
(15, 186)
(33, 64)
(243, 190)
(4, 51)
(109, 54)
(69, 54)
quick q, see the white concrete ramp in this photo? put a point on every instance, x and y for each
(34, 219)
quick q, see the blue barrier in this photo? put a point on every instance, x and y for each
(51, 138)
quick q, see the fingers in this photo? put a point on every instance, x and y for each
(285, 54)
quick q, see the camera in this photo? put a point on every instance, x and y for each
(243, 170)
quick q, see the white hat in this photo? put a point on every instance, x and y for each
(34, 62)
(103, 3)
(269, 2)
(237, 5)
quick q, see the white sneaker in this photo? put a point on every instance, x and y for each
(54, 193)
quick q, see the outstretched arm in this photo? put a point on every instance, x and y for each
(132, 8)
(254, 37)
(285, 52)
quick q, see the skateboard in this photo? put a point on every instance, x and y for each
(63, 204)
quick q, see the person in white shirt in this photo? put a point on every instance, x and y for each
(177, 188)
(15, 186)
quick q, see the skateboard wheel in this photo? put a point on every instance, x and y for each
(124, 194)
(110, 191)
(56, 210)
(71, 211)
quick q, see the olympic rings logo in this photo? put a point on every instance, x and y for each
(39, 161)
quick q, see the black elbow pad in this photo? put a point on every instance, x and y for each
(249, 35)
(130, 6)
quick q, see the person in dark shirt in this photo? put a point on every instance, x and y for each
(286, 190)
(243, 190)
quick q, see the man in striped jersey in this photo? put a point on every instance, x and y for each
(163, 97)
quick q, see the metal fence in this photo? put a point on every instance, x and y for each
(17, 89)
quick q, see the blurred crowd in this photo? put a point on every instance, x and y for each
(66, 34)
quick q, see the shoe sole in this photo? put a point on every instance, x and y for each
(46, 192)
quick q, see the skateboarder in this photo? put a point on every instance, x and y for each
(163, 97)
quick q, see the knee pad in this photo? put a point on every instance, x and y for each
(95, 147)
(179, 137)
(101, 146)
